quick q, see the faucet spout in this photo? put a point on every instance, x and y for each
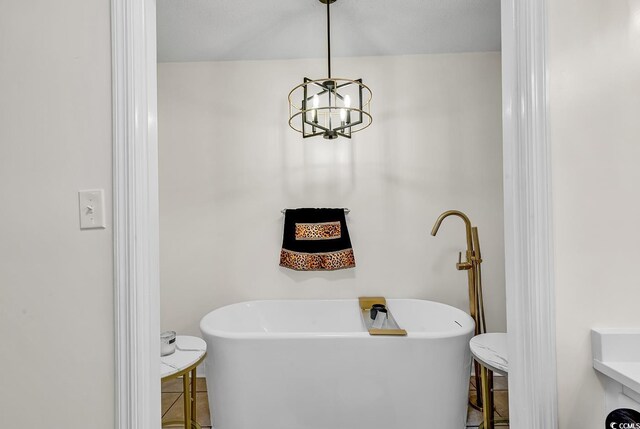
(467, 224)
(472, 266)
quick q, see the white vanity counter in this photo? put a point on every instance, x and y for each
(616, 354)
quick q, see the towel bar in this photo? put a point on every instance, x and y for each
(346, 211)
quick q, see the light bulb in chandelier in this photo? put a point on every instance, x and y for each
(314, 112)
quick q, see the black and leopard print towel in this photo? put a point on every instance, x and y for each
(316, 240)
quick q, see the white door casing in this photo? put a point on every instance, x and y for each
(527, 206)
(135, 214)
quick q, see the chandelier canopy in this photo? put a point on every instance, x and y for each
(329, 107)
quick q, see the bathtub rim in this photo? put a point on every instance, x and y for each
(256, 335)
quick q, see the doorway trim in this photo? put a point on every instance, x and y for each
(529, 270)
(527, 214)
(135, 214)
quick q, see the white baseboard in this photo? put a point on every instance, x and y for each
(200, 370)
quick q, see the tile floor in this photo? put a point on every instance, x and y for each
(501, 404)
(172, 403)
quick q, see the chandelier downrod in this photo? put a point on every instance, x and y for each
(329, 39)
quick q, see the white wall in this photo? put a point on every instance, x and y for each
(229, 163)
(56, 305)
(595, 136)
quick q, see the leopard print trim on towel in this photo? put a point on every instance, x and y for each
(317, 261)
(318, 231)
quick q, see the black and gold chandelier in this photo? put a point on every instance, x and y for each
(330, 107)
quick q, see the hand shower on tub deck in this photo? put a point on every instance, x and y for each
(379, 315)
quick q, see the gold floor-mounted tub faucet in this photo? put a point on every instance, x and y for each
(472, 266)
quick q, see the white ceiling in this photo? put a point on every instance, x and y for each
(211, 30)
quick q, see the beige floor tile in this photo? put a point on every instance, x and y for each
(501, 407)
(204, 418)
(501, 400)
(168, 399)
(474, 418)
(500, 383)
(176, 412)
(173, 386)
(472, 396)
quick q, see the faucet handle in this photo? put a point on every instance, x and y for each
(461, 266)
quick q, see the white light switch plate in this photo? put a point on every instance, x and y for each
(91, 209)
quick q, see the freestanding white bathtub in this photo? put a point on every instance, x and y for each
(310, 364)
